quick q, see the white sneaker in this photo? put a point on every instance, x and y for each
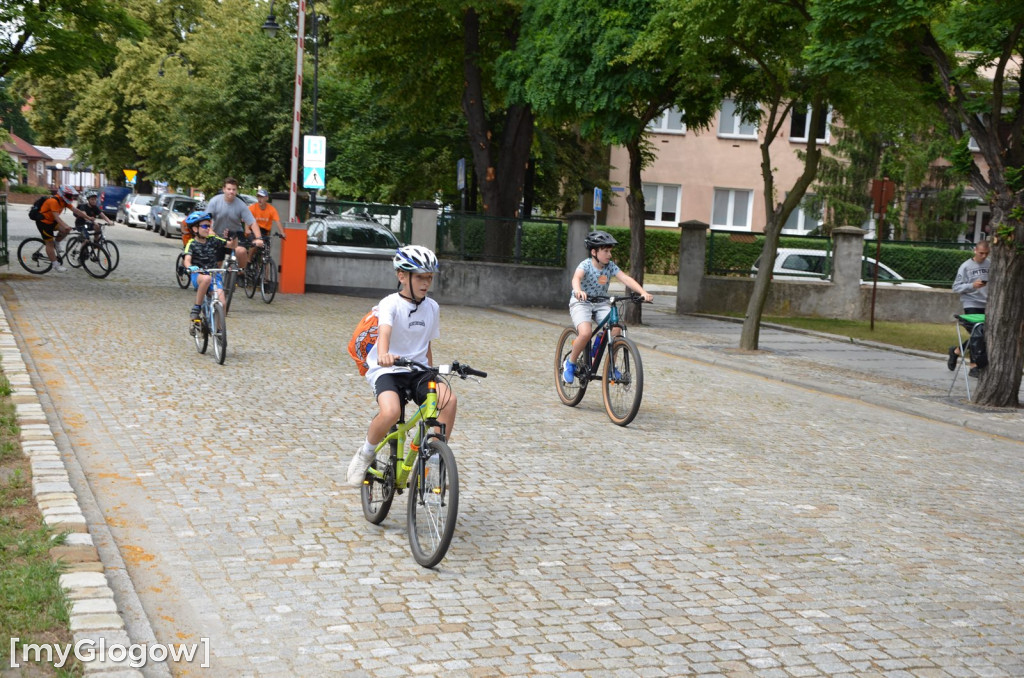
(60, 268)
(357, 467)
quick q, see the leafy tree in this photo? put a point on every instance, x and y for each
(60, 37)
(431, 56)
(10, 113)
(966, 57)
(580, 61)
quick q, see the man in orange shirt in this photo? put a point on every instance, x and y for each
(51, 227)
(265, 214)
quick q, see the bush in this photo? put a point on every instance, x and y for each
(25, 188)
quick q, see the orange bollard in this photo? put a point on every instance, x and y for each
(293, 261)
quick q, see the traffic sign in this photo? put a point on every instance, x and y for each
(314, 151)
(312, 177)
(130, 175)
(597, 199)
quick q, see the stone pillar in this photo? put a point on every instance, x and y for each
(579, 224)
(424, 224)
(693, 243)
(846, 269)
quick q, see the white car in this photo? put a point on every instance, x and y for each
(796, 264)
(136, 207)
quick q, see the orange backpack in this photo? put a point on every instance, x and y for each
(363, 339)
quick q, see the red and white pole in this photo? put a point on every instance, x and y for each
(300, 48)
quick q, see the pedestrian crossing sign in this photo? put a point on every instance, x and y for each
(312, 177)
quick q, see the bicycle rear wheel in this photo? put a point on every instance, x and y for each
(623, 381)
(182, 274)
(570, 394)
(433, 503)
(230, 280)
(220, 334)
(96, 260)
(268, 279)
(32, 256)
(376, 494)
(73, 250)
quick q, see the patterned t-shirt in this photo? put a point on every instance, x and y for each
(595, 281)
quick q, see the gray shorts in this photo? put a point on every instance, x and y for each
(588, 312)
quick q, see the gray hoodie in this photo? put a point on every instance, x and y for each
(970, 271)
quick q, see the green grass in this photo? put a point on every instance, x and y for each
(933, 337)
(32, 605)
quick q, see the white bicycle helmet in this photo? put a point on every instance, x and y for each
(415, 259)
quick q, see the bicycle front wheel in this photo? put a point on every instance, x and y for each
(32, 256)
(433, 503)
(220, 334)
(181, 273)
(376, 494)
(115, 254)
(268, 280)
(230, 280)
(623, 381)
(249, 279)
(96, 260)
(202, 333)
(73, 250)
(570, 394)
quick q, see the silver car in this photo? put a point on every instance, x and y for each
(349, 234)
(175, 212)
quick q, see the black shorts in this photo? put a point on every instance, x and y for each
(406, 384)
(46, 230)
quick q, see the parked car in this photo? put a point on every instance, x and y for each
(173, 214)
(111, 197)
(798, 264)
(349, 234)
(134, 209)
(153, 216)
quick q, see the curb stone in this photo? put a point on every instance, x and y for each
(93, 614)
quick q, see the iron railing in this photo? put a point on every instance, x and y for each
(536, 242)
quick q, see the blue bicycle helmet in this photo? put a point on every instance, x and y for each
(197, 217)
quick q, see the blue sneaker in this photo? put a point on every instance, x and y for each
(568, 371)
(616, 375)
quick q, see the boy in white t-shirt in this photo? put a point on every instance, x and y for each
(407, 322)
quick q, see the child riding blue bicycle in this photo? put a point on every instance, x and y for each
(591, 279)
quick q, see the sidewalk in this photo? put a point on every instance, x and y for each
(914, 382)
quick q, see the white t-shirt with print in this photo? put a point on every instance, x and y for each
(412, 329)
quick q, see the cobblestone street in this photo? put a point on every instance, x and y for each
(739, 526)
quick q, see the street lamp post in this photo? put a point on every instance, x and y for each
(271, 27)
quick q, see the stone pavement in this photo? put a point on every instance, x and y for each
(764, 515)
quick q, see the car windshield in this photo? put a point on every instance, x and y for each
(144, 200)
(360, 236)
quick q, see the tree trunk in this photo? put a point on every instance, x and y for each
(1004, 314)
(500, 179)
(776, 215)
(637, 232)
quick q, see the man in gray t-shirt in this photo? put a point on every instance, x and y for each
(231, 218)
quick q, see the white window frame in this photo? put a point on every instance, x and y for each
(807, 125)
(737, 123)
(659, 207)
(660, 125)
(802, 219)
(731, 209)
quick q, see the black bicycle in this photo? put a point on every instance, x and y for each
(92, 233)
(261, 272)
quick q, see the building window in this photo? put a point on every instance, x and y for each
(661, 203)
(805, 218)
(669, 122)
(732, 208)
(800, 122)
(730, 124)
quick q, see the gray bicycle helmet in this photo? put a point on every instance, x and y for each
(415, 259)
(597, 239)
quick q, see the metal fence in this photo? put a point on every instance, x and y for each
(537, 242)
(930, 263)
(398, 218)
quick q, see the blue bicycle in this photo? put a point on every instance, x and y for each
(622, 377)
(212, 320)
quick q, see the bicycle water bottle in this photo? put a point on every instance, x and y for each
(598, 340)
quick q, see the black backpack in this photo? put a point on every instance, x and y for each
(35, 212)
(977, 347)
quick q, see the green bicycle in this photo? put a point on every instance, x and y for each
(427, 467)
(622, 378)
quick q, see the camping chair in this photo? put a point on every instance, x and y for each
(972, 324)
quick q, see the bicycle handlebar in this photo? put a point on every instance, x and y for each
(634, 297)
(456, 368)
